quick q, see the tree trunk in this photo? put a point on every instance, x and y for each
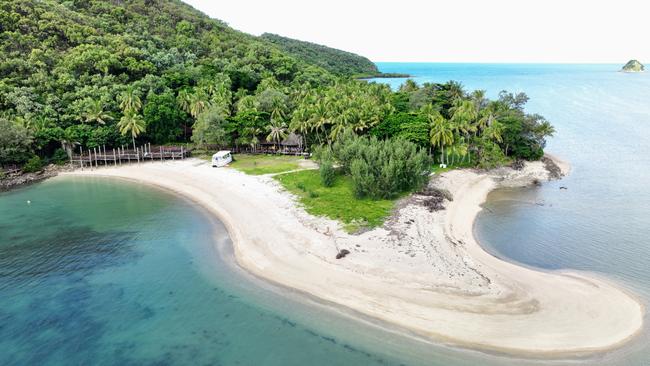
(133, 139)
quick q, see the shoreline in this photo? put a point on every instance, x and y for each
(296, 252)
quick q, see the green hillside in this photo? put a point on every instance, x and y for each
(336, 61)
(128, 72)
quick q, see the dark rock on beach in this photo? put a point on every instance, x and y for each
(342, 253)
(19, 179)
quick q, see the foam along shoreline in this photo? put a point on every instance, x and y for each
(423, 271)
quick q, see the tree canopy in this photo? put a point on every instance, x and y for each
(92, 73)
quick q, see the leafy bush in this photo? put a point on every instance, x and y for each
(33, 165)
(381, 168)
(15, 143)
(327, 173)
(59, 157)
(491, 156)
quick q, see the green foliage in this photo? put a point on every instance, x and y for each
(381, 168)
(491, 156)
(15, 143)
(336, 61)
(328, 112)
(327, 172)
(209, 128)
(337, 202)
(165, 121)
(93, 73)
(34, 164)
(59, 157)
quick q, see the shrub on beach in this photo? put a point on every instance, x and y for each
(33, 165)
(327, 173)
(380, 168)
(59, 157)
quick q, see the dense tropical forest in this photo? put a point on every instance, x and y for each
(333, 60)
(92, 73)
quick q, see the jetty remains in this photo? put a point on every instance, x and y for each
(95, 157)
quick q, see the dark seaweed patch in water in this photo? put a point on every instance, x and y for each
(59, 322)
(70, 252)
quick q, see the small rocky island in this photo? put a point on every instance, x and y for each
(633, 66)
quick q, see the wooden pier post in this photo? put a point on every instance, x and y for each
(137, 154)
(105, 161)
(90, 158)
(81, 157)
(114, 158)
(182, 153)
(172, 150)
(161, 154)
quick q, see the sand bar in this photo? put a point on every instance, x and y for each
(423, 271)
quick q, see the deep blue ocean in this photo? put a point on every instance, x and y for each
(106, 272)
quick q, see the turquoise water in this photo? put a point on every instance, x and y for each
(98, 271)
(601, 223)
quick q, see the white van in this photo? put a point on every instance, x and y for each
(221, 158)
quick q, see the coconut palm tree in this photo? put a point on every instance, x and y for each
(130, 100)
(441, 133)
(68, 142)
(277, 132)
(198, 103)
(132, 123)
(184, 99)
(94, 112)
(494, 131)
(455, 91)
(253, 136)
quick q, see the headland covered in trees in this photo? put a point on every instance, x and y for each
(99, 73)
(84, 74)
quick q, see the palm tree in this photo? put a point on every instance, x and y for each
(132, 123)
(494, 131)
(94, 112)
(479, 100)
(184, 99)
(277, 131)
(455, 91)
(68, 143)
(198, 103)
(277, 109)
(130, 100)
(337, 129)
(252, 133)
(300, 123)
(441, 133)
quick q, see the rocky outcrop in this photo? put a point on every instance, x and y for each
(633, 66)
(21, 179)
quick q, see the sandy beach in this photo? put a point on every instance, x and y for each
(423, 271)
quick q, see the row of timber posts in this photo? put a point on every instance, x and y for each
(121, 153)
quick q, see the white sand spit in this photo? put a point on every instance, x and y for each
(424, 272)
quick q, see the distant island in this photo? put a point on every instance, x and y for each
(633, 66)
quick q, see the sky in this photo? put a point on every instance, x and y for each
(596, 31)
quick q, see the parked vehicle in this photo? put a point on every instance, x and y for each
(221, 158)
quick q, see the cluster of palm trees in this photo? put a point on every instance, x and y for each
(470, 119)
(347, 106)
(215, 95)
(131, 122)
